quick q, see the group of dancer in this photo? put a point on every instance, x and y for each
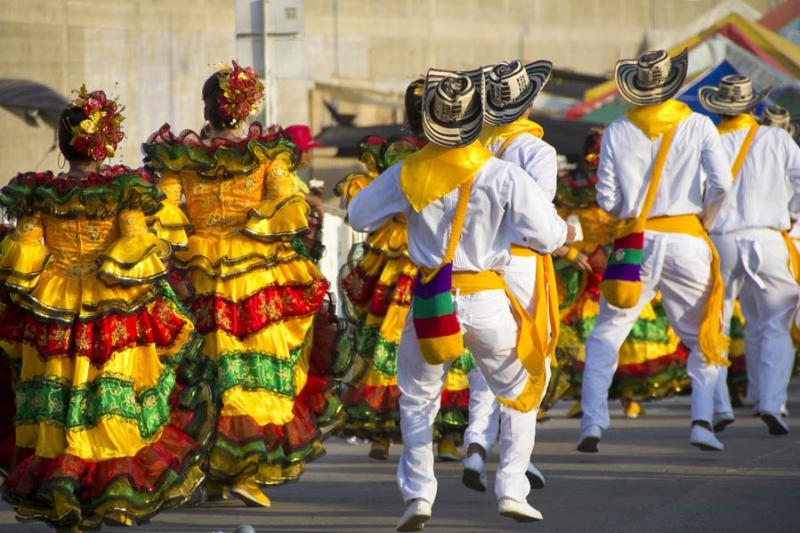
(675, 233)
(167, 337)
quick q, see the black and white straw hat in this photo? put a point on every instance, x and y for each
(651, 78)
(778, 117)
(452, 107)
(734, 96)
(510, 87)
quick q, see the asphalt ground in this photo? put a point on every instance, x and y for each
(646, 478)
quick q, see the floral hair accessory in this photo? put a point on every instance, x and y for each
(242, 91)
(99, 133)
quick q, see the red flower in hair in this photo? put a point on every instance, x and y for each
(242, 91)
(98, 135)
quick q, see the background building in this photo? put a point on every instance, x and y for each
(357, 55)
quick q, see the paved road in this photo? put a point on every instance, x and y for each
(646, 478)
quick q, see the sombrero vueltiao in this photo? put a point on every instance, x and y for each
(778, 117)
(734, 96)
(452, 107)
(651, 78)
(510, 87)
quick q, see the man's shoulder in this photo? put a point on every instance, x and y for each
(533, 143)
(496, 172)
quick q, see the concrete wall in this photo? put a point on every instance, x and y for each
(153, 54)
(381, 44)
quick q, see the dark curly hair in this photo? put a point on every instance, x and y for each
(211, 94)
(413, 104)
(70, 117)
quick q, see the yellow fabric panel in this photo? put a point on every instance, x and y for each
(277, 339)
(352, 185)
(263, 406)
(140, 365)
(112, 438)
(496, 134)
(394, 322)
(456, 381)
(59, 291)
(219, 204)
(376, 378)
(23, 255)
(434, 171)
(288, 269)
(136, 256)
(654, 121)
(275, 218)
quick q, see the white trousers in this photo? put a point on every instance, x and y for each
(490, 332)
(484, 410)
(678, 265)
(754, 264)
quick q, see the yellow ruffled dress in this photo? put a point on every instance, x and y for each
(377, 284)
(255, 296)
(97, 342)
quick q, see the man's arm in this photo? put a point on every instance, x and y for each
(792, 166)
(533, 216)
(718, 173)
(378, 202)
(609, 195)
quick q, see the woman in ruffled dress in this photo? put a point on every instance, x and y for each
(377, 285)
(651, 360)
(254, 295)
(97, 343)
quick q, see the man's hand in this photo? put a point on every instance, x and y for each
(581, 262)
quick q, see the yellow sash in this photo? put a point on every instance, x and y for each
(434, 171)
(508, 132)
(710, 337)
(655, 120)
(738, 122)
(530, 350)
(545, 320)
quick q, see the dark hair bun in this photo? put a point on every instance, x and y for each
(70, 117)
(211, 96)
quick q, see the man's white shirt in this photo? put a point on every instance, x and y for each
(767, 181)
(695, 179)
(535, 157)
(504, 201)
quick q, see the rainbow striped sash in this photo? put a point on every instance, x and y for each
(432, 310)
(622, 283)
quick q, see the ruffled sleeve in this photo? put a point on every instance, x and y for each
(136, 257)
(23, 254)
(352, 185)
(284, 214)
(170, 223)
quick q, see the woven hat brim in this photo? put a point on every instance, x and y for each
(709, 99)
(538, 73)
(467, 130)
(625, 77)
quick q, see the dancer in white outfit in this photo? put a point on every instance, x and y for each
(509, 134)
(677, 258)
(751, 236)
(455, 175)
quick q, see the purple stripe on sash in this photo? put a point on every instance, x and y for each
(622, 271)
(442, 282)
